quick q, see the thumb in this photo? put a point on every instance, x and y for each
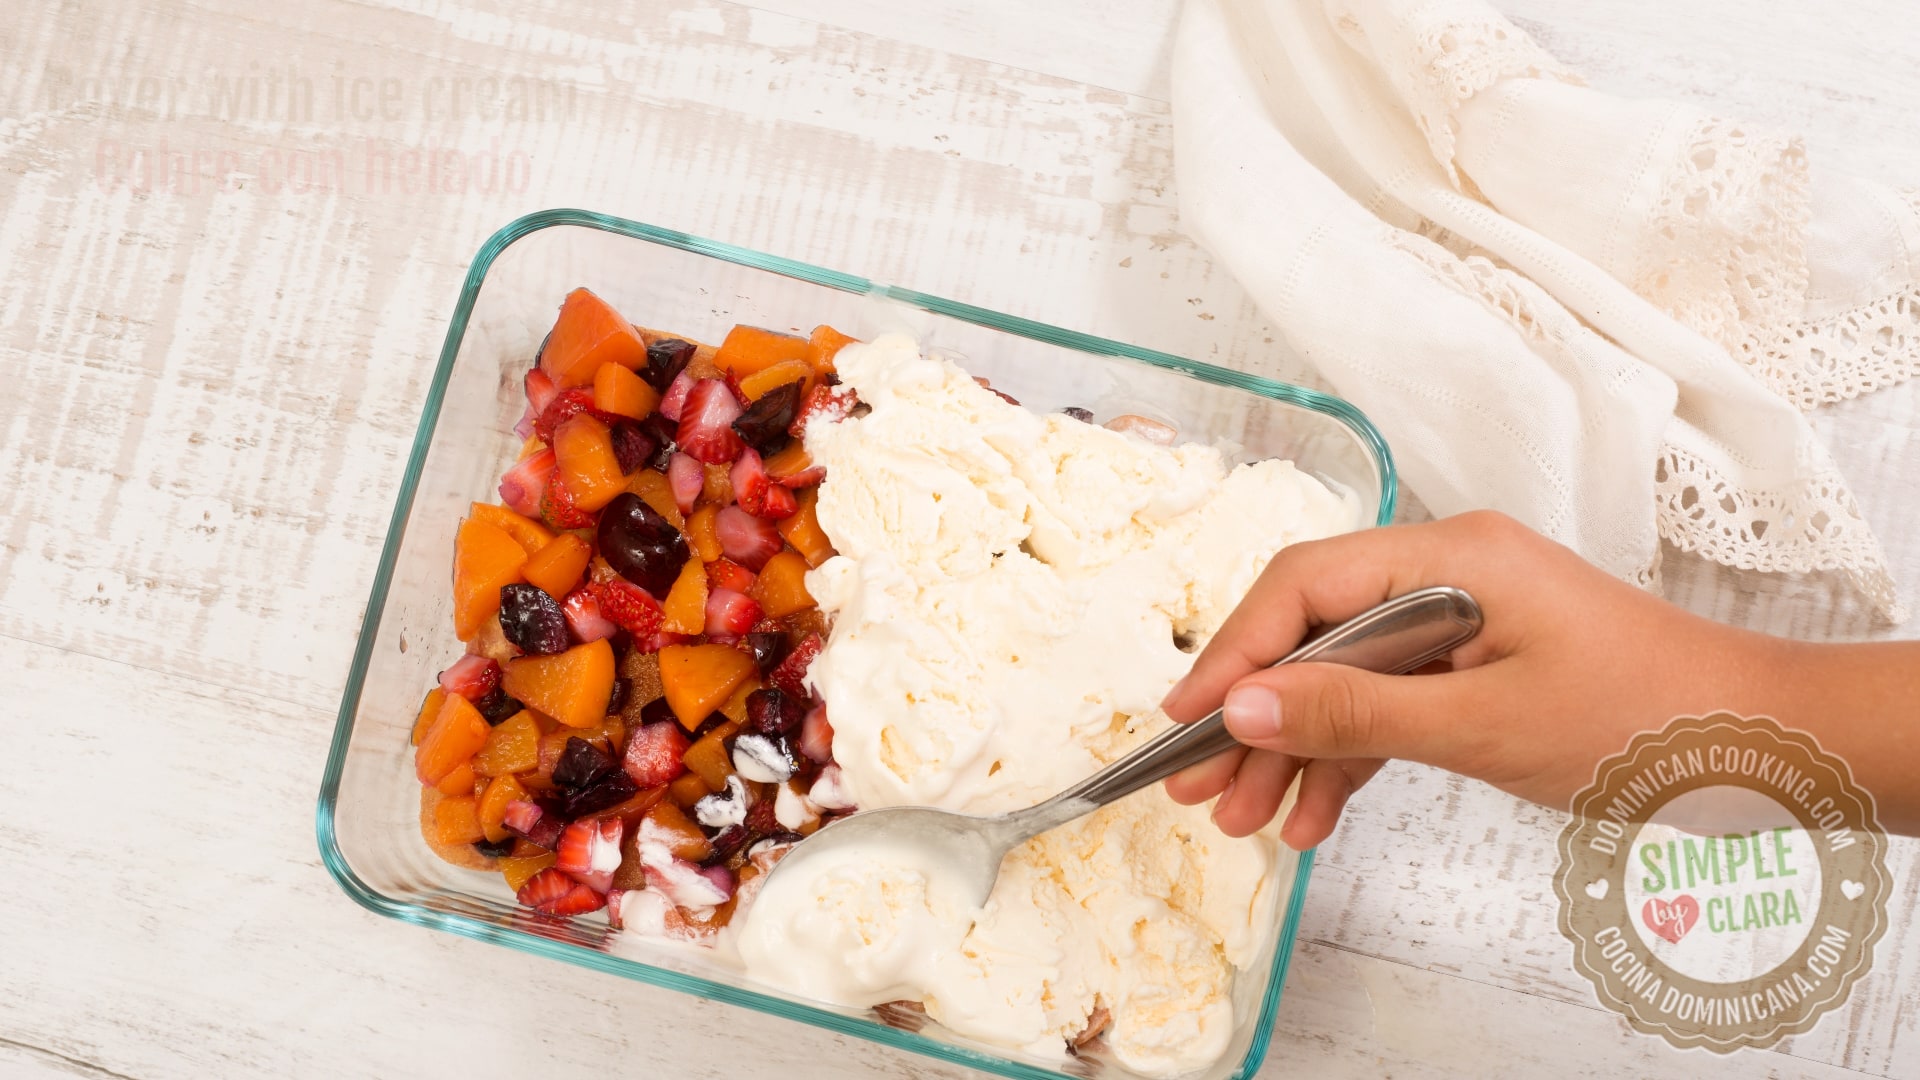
(1335, 711)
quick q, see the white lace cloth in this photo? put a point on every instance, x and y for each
(1602, 316)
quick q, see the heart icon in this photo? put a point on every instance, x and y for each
(1597, 889)
(1852, 890)
(1671, 919)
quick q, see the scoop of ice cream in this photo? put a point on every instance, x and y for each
(983, 692)
(856, 926)
(932, 489)
(1010, 598)
(1143, 908)
(1011, 587)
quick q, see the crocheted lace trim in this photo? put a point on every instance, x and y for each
(1726, 249)
(1448, 53)
(1742, 194)
(1816, 526)
(1813, 362)
(1821, 361)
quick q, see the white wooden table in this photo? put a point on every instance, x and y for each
(210, 388)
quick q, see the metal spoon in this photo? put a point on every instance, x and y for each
(1393, 638)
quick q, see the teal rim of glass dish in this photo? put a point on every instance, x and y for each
(479, 930)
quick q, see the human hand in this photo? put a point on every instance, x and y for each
(1570, 664)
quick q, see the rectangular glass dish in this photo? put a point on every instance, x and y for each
(368, 821)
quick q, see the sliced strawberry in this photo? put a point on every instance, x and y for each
(805, 478)
(816, 735)
(540, 390)
(525, 484)
(582, 609)
(558, 510)
(654, 752)
(540, 394)
(599, 883)
(590, 851)
(749, 480)
(674, 401)
(730, 614)
(686, 478)
(724, 573)
(526, 819)
(706, 423)
(791, 674)
(781, 503)
(616, 897)
(472, 677)
(747, 540)
(553, 892)
(631, 607)
(565, 406)
(829, 404)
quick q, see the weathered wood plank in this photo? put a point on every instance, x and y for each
(215, 388)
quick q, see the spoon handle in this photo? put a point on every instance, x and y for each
(1394, 638)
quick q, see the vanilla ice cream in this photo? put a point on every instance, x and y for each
(1012, 591)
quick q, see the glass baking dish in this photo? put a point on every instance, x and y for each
(368, 812)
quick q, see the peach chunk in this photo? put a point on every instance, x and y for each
(781, 588)
(452, 740)
(686, 606)
(557, 566)
(572, 686)
(803, 532)
(696, 678)
(588, 466)
(485, 558)
(587, 334)
(513, 746)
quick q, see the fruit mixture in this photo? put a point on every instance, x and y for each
(630, 728)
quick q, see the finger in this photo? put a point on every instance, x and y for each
(1333, 711)
(1256, 793)
(1326, 581)
(1325, 787)
(1196, 784)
